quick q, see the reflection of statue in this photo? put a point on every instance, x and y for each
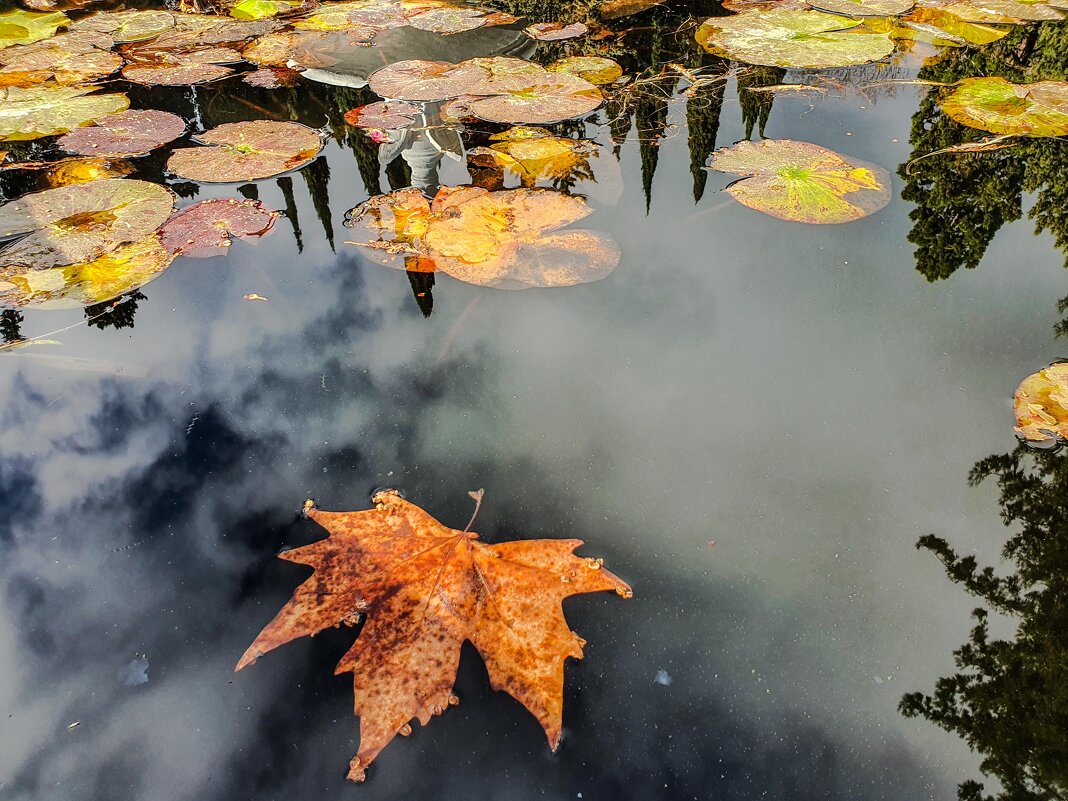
(1010, 699)
(114, 313)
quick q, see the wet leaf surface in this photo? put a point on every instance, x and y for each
(614, 9)
(128, 133)
(1041, 405)
(802, 182)
(424, 589)
(122, 269)
(792, 38)
(79, 223)
(45, 110)
(1001, 107)
(245, 151)
(207, 228)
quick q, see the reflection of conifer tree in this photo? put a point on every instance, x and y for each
(114, 313)
(11, 325)
(702, 124)
(422, 286)
(365, 150)
(1009, 700)
(317, 178)
(650, 121)
(756, 106)
(285, 183)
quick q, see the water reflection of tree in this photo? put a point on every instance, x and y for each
(114, 313)
(962, 201)
(1009, 700)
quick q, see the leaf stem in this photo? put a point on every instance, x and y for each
(477, 495)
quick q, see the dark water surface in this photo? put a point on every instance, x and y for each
(751, 420)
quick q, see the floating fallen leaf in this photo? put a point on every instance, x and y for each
(1041, 405)
(127, 26)
(802, 182)
(78, 223)
(1001, 107)
(272, 78)
(508, 239)
(534, 153)
(128, 133)
(595, 69)
(24, 27)
(254, 296)
(614, 9)
(46, 110)
(554, 31)
(109, 275)
(783, 37)
(982, 146)
(246, 151)
(386, 115)
(207, 228)
(424, 589)
(68, 58)
(864, 8)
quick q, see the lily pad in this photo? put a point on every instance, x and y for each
(865, 8)
(448, 20)
(46, 110)
(802, 182)
(108, 276)
(1001, 107)
(272, 50)
(421, 81)
(614, 9)
(154, 67)
(207, 228)
(272, 78)
(936, 27)
(539, 99)
(127, 26)
(388, 115)
(68, 58)
(207, 29)
(783, 37)
(129, 133)
(81, 222)
(25, 27)
(1004, 11)
(1041, 405)
(534, 153)
(247, 151)
(261, 9)
(595, 69)
(555, 31)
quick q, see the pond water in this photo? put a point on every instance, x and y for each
(752, 420)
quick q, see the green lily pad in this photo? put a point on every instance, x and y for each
(68, 58)
(782, 37)
(127, 26)
(122, 269)
(802, 182)
(129, 133)
(247, 151)
(595, 69)
(46, 110)
(81, 222)
(25, 27)
(865, 8)
(995, 105)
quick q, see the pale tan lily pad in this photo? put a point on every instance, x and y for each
(81, 222)
(129, 133)
(127, 26)
(802, 182)
(46, 110)
(1001, 107)
(783, 37)
(247, 151)
(68, 58)
(540, 99)
(418, 80)
(1041, 405)
(122, 269)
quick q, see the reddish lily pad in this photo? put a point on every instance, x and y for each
(417, 80)
(539, 99)
(247, 151)
(127, 26)
(129, 133)
(207, 228)
(388, 115)
(555, 31)
(155, 67)
(448, 20)
(272, 78)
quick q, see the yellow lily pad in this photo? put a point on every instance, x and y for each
(1001, 107)
(25, 27)
(46, 110)
(1041, 405)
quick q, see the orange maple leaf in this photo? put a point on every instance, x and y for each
(425, 589)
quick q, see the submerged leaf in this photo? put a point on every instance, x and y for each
(783, 37)
(1041, 405)
(46, 110)
(74, 170)
(79, 223)
(25, 27)
(424, 589)
(122, 269)
(246, 151)
(802, 182)
(207, 228)
(129, 133)
(554, 31)
(1000, 107)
